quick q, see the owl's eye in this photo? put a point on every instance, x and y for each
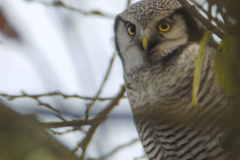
(131, 30)
(164, 26)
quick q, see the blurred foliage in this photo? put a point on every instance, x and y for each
(227, 59)
(23, 137)
(227, 68)
(226, 62)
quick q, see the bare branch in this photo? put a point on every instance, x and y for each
(102, 85)
(209, 12)
(98, 120)
(73, 123)
(61, 4)
(192, 10)
(61, 133)
(95, 122)
(224, 15)
(56, 111)
(215, 19)
(65, 96)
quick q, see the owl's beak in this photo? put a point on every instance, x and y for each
(145, 44)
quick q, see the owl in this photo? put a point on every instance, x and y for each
(158, 42)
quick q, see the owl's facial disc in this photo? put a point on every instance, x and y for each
(141, 45)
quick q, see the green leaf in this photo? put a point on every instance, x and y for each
(227, 67)
(198, 67)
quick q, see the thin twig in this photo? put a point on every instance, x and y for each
(56, 111)
(215, 19)
(209, 13)
(73, 123)
(192, 10)
(65, 96)
(224, 16)
(95, 122)
(102, 85)
(61, 133)
(99, 120)
(61, 4)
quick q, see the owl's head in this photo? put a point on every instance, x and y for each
(151, 31)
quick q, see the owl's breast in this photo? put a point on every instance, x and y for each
(165, 84)
(168, 125)
(168, 86)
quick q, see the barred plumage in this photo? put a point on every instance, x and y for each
(158, 75)
(197, 139)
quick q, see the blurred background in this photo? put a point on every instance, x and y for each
(51, 46)
(58, 63)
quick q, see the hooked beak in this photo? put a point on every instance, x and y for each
(148, 46)
(145, 44)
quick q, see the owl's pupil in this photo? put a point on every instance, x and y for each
(164, 26)
(132, 29)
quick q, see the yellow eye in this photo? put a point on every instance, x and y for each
(131, 30)
(164, 26)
